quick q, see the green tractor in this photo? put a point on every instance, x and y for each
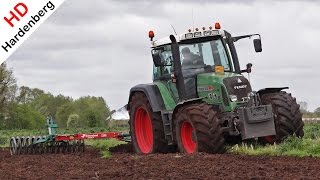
(199, 100)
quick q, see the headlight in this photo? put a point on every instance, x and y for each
(233, 98)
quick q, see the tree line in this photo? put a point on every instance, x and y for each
(306, 113)
(27, 108)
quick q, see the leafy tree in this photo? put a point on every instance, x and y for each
(7, 86)
(42, 103)
(73, 121)
(93, 111)
(22, 116)
(47, 104)
(317, 111)
(63, 114)
(27, 95)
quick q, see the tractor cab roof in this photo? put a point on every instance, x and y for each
(188, 36)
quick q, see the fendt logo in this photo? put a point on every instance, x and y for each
(20, 10)
(240, 87)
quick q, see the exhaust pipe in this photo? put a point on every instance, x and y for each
(178, 69)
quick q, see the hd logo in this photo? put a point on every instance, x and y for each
(19, 19)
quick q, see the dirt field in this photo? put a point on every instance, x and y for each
(125, 165)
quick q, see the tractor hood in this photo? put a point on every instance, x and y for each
(217, 77)
(226, 84)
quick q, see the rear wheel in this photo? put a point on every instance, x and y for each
(146, 127)
(287, 116)
(197, 129)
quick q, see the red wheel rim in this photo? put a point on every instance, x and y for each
(189, 145)
(143, 130)
(269, 139)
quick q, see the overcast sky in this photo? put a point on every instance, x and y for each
(101, 47)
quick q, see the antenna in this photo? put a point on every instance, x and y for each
(192, 21)
(174, 30)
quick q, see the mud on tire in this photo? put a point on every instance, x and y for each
(206, 129)
(287, 116)
(139, 102)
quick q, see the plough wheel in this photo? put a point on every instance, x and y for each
(36, 145)
(13, 146)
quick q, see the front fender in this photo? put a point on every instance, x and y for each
(182, 103)
(271, 90)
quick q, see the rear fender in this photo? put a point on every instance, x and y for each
(152, 93)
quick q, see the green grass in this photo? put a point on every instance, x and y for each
(309, 145)
(104, 145)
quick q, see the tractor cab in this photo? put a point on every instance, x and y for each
(204, 55)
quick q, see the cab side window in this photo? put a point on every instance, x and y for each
(163, 72)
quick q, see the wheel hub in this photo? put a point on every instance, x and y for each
(143, 130)
(188, 137)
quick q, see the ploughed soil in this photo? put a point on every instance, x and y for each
(123, 164)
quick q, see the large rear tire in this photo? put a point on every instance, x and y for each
(146, 127)
(287, 116)
(197, 129)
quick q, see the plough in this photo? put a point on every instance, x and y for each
(54, 143)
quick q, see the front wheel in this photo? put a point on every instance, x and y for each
(197, 129)
(287, 116)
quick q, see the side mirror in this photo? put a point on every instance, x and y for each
(257, 45)
(157, 60)
(248, 69)
(249, 66)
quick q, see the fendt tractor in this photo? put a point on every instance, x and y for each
(199, 100)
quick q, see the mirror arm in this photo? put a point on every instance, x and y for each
(235, 39)
(248, 70)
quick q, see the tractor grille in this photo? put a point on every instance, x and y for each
(238, 86)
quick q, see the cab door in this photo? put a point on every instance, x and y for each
(164, 73)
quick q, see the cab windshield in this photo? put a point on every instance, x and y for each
(200, 55)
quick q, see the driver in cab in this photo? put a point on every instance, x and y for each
(190, 60)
